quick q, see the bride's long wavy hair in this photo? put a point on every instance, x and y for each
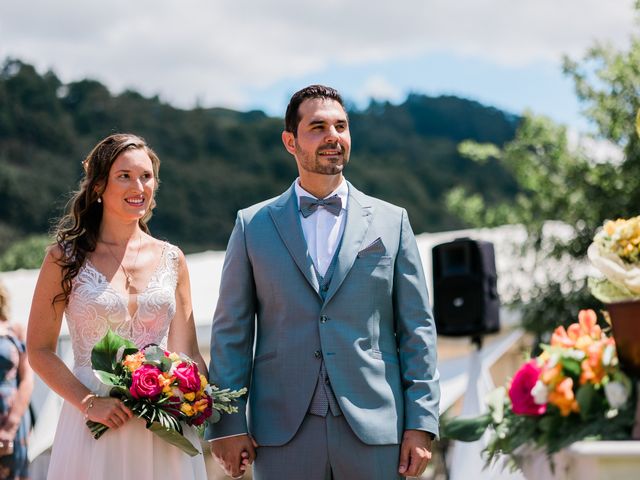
(76, 233)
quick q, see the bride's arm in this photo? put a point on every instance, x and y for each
(45, 321)
(182, 333)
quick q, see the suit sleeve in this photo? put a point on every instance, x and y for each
(232, 332)
(416, 336)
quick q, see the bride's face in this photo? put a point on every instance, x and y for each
(130, 187)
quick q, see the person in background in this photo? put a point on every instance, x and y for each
(16, 385)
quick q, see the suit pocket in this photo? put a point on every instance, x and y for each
(263, 357)
(374, 260)
(375, 247)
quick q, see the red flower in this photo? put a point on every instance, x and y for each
(187, 376)
(145, 383)
(522, 402)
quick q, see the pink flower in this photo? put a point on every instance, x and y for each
(522, 402)
(187, 376)
(145, 383)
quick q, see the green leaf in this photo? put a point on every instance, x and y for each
(104, 352)
(107, 378)
(479, 152)
(609, 292)
(121, 392)
(174, 438)
(154, 354)
(571, 367)
(587, 399)
(466, 429)
(215, 416)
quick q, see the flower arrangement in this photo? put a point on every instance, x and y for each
(163, 388)
(573, 390)
(615, 252)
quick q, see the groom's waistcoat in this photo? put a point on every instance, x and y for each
(372, 327)
(324, 400)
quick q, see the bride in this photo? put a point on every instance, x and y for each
(106, 271)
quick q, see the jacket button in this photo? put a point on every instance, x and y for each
(317, 353)
(323, 318)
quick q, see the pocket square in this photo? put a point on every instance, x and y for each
(374, 247)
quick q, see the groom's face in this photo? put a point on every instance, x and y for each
(323, 141)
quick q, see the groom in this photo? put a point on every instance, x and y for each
(327, 284)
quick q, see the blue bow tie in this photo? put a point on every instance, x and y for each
(308, 205)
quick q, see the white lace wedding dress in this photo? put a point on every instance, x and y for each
(129, 452)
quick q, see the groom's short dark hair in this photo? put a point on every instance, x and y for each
(292, 117)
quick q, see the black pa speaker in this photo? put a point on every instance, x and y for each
(465, 296)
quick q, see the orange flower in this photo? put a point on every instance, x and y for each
(592, 368)
(578, 335)
(584, 342)
(201, 405)
(187, 409)
(552, 376)
(133, 361)
(564, 398)
(562, 338)
(165, 380)
(589, 324)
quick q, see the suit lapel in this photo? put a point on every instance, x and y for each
(359, 215)
(286, 218)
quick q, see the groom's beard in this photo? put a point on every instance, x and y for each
(323, 164)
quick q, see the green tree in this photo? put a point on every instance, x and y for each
(216, 161)
(563, 182)
(26, 253)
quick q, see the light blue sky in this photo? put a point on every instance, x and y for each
(540, 87)
(245, 55)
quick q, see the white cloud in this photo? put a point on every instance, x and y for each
(218, 50)
(377, 87)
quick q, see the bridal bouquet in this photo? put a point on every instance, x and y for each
(572, 391)
(162, 388)
(615, 252)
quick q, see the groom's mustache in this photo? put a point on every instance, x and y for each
(331, 146)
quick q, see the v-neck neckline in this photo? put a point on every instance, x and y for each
(125, 297)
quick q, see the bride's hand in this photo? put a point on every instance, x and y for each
(107, 410)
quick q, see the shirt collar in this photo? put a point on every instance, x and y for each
(342, 191)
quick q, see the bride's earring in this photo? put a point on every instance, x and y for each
(99, 199)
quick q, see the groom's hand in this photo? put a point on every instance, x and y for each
(415, 453)
(234, 454)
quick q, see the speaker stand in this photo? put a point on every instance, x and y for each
(477, 341)
(466, 460)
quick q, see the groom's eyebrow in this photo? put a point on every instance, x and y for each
(313, 123)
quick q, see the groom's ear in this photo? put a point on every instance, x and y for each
(289, 141)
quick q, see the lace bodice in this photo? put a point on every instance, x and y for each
(95, 306)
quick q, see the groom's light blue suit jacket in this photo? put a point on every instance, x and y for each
(374, 330)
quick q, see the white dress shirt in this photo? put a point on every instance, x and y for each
(322, 229)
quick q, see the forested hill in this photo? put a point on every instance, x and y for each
(215, 161)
